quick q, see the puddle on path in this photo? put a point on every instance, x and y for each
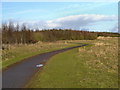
(39, 65)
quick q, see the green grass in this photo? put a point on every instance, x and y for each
(93, 66)
(17, 54)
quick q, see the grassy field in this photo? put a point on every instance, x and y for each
(92, 66)
(17, 53)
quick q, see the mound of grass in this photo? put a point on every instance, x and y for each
(93, 66)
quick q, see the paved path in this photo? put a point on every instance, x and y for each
(18, 75)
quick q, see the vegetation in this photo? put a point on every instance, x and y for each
(16, 53)
(92, 66)
(12, 34)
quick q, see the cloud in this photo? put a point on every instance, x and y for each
(71, 22)
(26, 12)
(78, 21)
(115, 28)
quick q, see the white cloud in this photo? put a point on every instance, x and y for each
(78, 21)
(71, 22)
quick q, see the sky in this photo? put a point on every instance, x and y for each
(91, 16)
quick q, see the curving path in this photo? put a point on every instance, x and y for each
(18, 75)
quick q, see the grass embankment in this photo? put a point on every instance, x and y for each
(21, 52)
(92, 66)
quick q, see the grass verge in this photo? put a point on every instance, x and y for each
(93, 66)
(17, 54)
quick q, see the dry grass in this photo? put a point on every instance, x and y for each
(101, 43)
(15, 53)
(11, 51)
(103, 38)
(92, 66)
(102, 59)
(105, 53)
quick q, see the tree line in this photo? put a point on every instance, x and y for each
(12, 34)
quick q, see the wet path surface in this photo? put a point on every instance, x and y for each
(18, 75)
